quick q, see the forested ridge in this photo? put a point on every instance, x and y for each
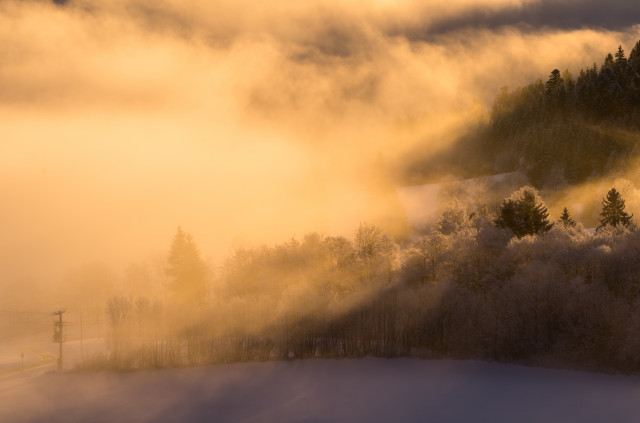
(562, 129)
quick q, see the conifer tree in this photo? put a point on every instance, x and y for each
(566, 220)
(524, 214)
(187, 270)
(555, 82)
(608, 62)
(634, 58)
(569, 83)
(621, 61)
(613, 213)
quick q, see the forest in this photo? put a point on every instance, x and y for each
(491, 277)
(508, 284)
(564, 130)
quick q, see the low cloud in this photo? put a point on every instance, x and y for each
(125, 119)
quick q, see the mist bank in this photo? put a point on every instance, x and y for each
(509, 280)
(123, 120)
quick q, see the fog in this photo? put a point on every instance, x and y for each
(243, 123)
(281, 139)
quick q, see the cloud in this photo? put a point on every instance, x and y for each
(125, 119)
(529, 16)
(331, 25)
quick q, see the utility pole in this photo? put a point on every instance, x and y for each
(81, 352)
(57, 334)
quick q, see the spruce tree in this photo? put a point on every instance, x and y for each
(524, 214)
(187, 271)
(555, 82)
(509, 217)
(613, 213)
(621, 61)
(608, 62)
(566, 220)
(634, 58)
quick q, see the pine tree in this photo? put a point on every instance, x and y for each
(509, 217)
(555, 82)
(524, 214)
(566, 219)
(621, 61)
(634, 71)
(634, 58)
(613, 213)
(608, 62)
(187, 270)
(569, 83)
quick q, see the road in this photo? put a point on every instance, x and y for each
(17, 359)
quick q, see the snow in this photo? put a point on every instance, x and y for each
(12, 357)
(365, 390)
(420, 202)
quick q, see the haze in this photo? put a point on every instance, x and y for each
(244, 122)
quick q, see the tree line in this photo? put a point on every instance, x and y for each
(567, 129)
(505, 284)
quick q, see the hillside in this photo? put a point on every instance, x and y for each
(564, 129)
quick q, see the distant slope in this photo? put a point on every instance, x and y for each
(565, 129)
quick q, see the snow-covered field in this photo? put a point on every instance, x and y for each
(366, 390)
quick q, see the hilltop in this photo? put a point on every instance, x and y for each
(567, 129)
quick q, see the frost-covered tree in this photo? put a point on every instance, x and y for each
(452, 220)
(613, 213)
(524, 213)
(340, 250)
(368, 239)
